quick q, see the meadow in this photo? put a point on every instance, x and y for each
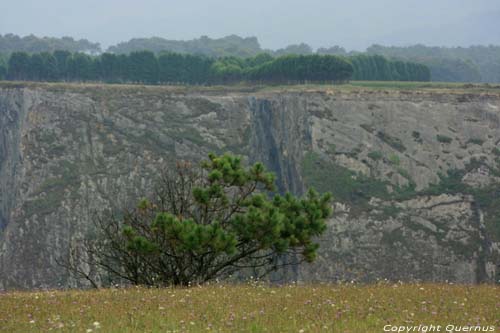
(255, 307)
(353, 86)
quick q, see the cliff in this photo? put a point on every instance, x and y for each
(415, 173)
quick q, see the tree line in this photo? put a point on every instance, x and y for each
(379, 68)
(446, 64)
(175, 68)
(455, 64)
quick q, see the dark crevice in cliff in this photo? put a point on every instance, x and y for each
(264, 144)
(484, 242)
(272, 143)
(271, 137)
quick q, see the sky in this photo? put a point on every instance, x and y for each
(353, 24)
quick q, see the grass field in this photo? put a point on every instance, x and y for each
(356, 86)
(255, 308)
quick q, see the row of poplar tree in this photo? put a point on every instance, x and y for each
(174, 68)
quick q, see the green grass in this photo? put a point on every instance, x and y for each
(414, 85)
(394, 159)
(251, 308)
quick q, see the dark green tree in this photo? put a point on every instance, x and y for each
(95, 73)
(19, 66)
(302, 69)
(208, 222)
(36, 67)
(3, 71)
(61, 57)
(3, 67)
(143, 67)
(79, 67)
(110, 70)
(123, 68)
(379, 68)
(50, 67)
(258, 60)
(227, 70)
(171, 68)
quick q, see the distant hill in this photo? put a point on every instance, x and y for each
(227, 46)
(473, 29)
(11, 43)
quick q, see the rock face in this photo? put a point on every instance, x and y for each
(415, 173)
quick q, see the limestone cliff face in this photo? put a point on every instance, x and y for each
(415, 173)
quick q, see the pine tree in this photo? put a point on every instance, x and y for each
(207, 223)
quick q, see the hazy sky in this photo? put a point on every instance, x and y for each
(354, 24)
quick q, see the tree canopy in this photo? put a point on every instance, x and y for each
(208, 222)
